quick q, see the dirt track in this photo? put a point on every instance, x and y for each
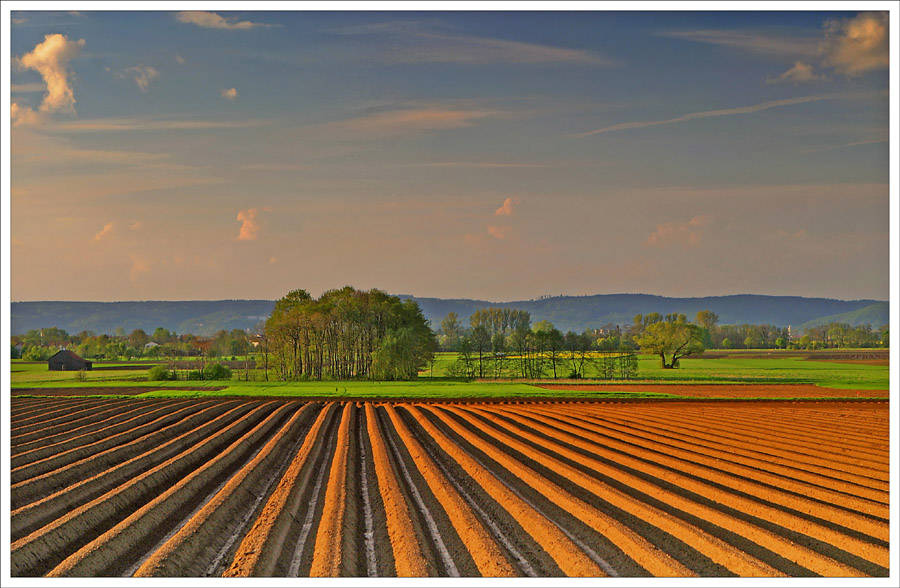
(240, 487)
(725, 390)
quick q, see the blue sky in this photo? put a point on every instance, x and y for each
(493, 155)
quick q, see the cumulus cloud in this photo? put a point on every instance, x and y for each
(50, 59)
(499, 232)
(107, 229)
(688, 234)
(506, 209)
(229, 94)
(801, 73)
(211, 20)
(250, 226)
(142, 75)
(857, 45)
(139, 266)
(179, 59)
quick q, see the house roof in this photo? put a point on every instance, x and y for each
(65, 353)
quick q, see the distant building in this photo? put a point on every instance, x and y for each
(151, 345)
(68, 361)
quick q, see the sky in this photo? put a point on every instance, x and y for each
(495, 155)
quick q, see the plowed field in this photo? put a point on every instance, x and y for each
(276, 487)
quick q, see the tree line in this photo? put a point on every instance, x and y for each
(502, 342)
(40, 344)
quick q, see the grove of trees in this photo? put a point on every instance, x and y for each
(345, 334)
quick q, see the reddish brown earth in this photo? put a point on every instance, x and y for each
(279, 487)
(108, 390)
(726, 390)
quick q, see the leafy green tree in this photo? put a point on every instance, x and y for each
(672, 338)
(160, 373)
(453, 329)
(216, 371)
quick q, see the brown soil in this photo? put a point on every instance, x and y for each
(725, 390)
(809, 558)
(109, 390)
(278, 487)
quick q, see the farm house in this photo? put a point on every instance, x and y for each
(65, 360)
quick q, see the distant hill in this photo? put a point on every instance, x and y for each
(876, 315)
(201, 317)
(566, 312)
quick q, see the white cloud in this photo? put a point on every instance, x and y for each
(800, 73)
(211, 20)
(723, 112)
(499, 231)
(107, 229)
(179, 59)
(688, 234)
(250, 226)
(50, 59)
(230, 94)
(142, 75)
(506, 209)
(857, 45)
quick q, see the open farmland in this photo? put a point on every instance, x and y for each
(281, 487)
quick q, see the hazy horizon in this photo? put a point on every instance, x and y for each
(496, 155)
(317, 294)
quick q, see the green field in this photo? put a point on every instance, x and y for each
(725, 370)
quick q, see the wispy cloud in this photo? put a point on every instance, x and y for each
(107, 229)
(413, 42)
(846, 145)
(141, 74)
(412, 120)
(507, 208)
(50, 59)
(723, 112)
(230, 94)
(800, 73)
(688, 235)
(764, 42)
(140, 124)
(211, 20)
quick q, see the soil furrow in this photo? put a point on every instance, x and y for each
(93, 470)
(778, 461)
(649, 556)
(808, 452)
(116, 550)
(45, 548)
(571, 560)
(260, 550)
(69, 456)
(704, 475)
(797, 553)
(46, 450)
(327, 551)
(751, 476)
(409, 561)
(61, 416)
(811, 446)
(197, 548)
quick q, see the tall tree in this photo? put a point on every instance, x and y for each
(673, 338)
